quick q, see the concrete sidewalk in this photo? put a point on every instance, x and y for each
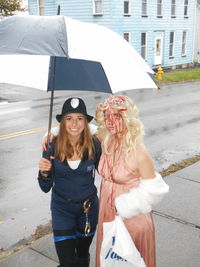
(177, 221)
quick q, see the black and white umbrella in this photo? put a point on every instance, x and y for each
(87, 56)
(59, 53)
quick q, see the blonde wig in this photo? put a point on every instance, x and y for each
(133, 127)
(63, 147)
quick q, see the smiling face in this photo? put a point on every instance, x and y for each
(74, 124)
(113, 120)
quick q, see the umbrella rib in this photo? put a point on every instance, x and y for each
(24, 33)
(63, 26)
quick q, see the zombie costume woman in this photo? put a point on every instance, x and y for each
(130, 185)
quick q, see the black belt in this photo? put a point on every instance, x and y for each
(71, 200)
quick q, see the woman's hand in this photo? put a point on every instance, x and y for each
(45, 141)
(45, 164)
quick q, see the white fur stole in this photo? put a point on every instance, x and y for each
(141, 199)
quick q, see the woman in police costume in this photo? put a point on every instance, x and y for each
(74, 202)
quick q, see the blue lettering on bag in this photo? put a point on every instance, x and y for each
(111, 254)
(113, 240)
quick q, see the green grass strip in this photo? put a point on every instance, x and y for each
(180, 76)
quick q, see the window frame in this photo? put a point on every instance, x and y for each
(95, 8)
(185, 11)
(143, 47)
(160, 4)
(171, 44)
(144, 7)
(184, 44)
(173, 8)
(129, 36)
(128, 13)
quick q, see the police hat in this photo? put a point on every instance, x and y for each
(74, 105)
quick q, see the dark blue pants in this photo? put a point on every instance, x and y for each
(68, 219)
(68, 223)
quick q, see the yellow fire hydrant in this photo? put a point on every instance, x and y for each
(160, 73)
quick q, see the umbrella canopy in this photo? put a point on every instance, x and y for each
(87, 56)
(34, 35)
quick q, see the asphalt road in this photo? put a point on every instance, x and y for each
(170, 117)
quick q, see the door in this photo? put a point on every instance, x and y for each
(158, 56)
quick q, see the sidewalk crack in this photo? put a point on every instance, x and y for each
(46, 256)
(175, 219)
(187, 179)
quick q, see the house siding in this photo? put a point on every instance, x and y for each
(33, 7)
(113, 17)
(197, 35)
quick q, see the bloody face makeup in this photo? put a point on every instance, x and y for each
(113, 120)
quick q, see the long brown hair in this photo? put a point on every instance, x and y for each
(63, 147)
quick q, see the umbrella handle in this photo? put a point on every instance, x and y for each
(50, 118)
(47, 155)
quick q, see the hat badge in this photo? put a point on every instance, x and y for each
(74, 102)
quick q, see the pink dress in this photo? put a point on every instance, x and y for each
(118, 178)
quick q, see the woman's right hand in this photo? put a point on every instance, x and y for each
(45, 164)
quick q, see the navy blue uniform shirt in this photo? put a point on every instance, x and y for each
(75, 184)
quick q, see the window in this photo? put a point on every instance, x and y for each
(171, 44)
(97, 7)
(184, 39)
(126, 7)
(186, 8)
(41, 7)
(127, 36)
(173, 8)
(158, 47)
(143, 44)
(144, 8)
(159, 8)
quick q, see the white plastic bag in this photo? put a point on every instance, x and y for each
(118, 248)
